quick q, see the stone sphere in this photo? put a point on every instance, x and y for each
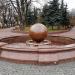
(38, 32)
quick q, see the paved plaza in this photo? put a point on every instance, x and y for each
(7, 68)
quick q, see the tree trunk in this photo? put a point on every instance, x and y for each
(21, 25)
(52, 27)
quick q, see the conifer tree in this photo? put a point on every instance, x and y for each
(51, 13)
(64, 21)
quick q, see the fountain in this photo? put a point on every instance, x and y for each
(38, 32)
(37, 47)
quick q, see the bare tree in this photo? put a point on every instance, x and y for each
(21, 8)
(6, 13)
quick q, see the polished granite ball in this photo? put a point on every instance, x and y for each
(38, 32)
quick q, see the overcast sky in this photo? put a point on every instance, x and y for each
(70, 3)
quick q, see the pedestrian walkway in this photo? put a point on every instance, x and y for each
(4, 33)
(70, 33)
(8, 33)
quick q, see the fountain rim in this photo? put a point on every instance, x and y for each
(38, 49)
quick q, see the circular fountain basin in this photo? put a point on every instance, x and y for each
(21, 49)
(52, 44)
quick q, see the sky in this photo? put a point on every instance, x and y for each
(70, 3)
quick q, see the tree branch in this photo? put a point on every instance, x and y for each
(13, 5)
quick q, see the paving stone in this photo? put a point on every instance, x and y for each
(2, 43)
(48, 58)
(19, 56)
(66, 55)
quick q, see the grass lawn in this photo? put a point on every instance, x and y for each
(49, 29)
